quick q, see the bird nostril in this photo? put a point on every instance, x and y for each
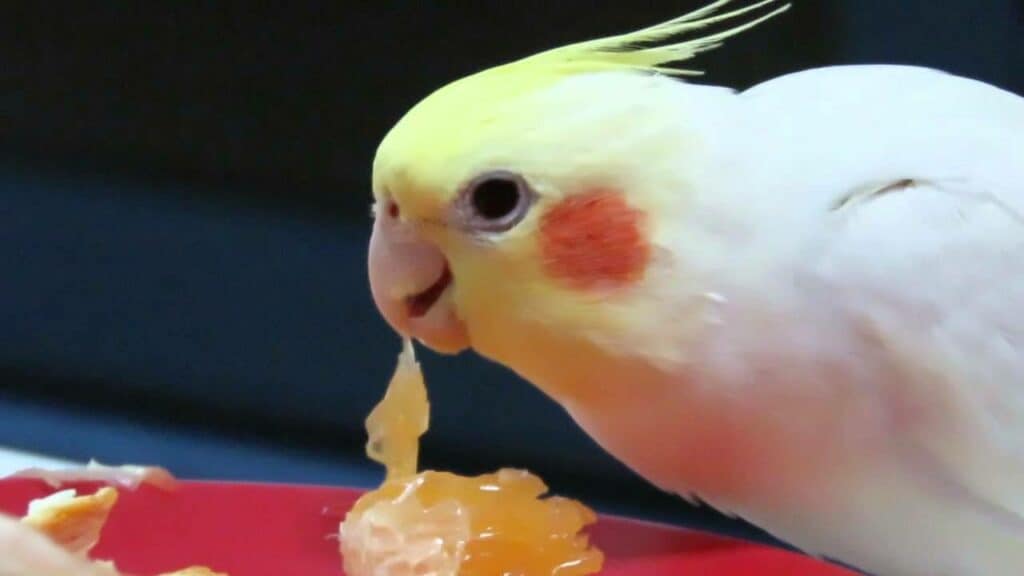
(393, 210)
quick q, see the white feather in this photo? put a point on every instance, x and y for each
(892, 198)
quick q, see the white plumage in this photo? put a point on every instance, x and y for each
(885, 215)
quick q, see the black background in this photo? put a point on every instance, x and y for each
(285, 102)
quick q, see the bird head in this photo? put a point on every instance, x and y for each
(529, 204)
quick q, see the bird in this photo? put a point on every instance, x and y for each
(801, 303)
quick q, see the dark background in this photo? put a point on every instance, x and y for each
(184, 193)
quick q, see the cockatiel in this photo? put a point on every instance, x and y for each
(802, 303)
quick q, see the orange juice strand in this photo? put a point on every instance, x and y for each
(395, 425)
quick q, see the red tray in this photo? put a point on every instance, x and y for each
(274, 530)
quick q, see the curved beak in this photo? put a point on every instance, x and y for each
(412, 285)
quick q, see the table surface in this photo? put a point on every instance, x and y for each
(294, 529)
(12, 461)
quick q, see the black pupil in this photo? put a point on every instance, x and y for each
(496, 198)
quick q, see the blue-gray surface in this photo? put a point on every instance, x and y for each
(234, 344)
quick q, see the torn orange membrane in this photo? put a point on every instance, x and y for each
(128, 477)
(448, 525)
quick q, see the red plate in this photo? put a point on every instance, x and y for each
(264, 529)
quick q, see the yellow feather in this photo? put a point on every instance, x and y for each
(624, 51)
(436, 142)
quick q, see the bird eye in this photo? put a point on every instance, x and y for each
(496, 201)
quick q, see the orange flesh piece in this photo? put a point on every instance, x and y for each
(512, 529)
(195, 571)
(75, 523)
(395, 425)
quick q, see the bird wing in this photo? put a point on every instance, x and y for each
(933, 270)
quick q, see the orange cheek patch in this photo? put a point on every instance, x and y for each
(594, 240)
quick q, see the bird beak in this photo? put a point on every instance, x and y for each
(412, 286)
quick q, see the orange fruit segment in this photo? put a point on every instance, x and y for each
(195, 571)
(73, 522)
(443, 524)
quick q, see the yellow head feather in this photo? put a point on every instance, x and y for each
(459, 116)
(625, 51)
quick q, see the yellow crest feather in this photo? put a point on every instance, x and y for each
(626, 51)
